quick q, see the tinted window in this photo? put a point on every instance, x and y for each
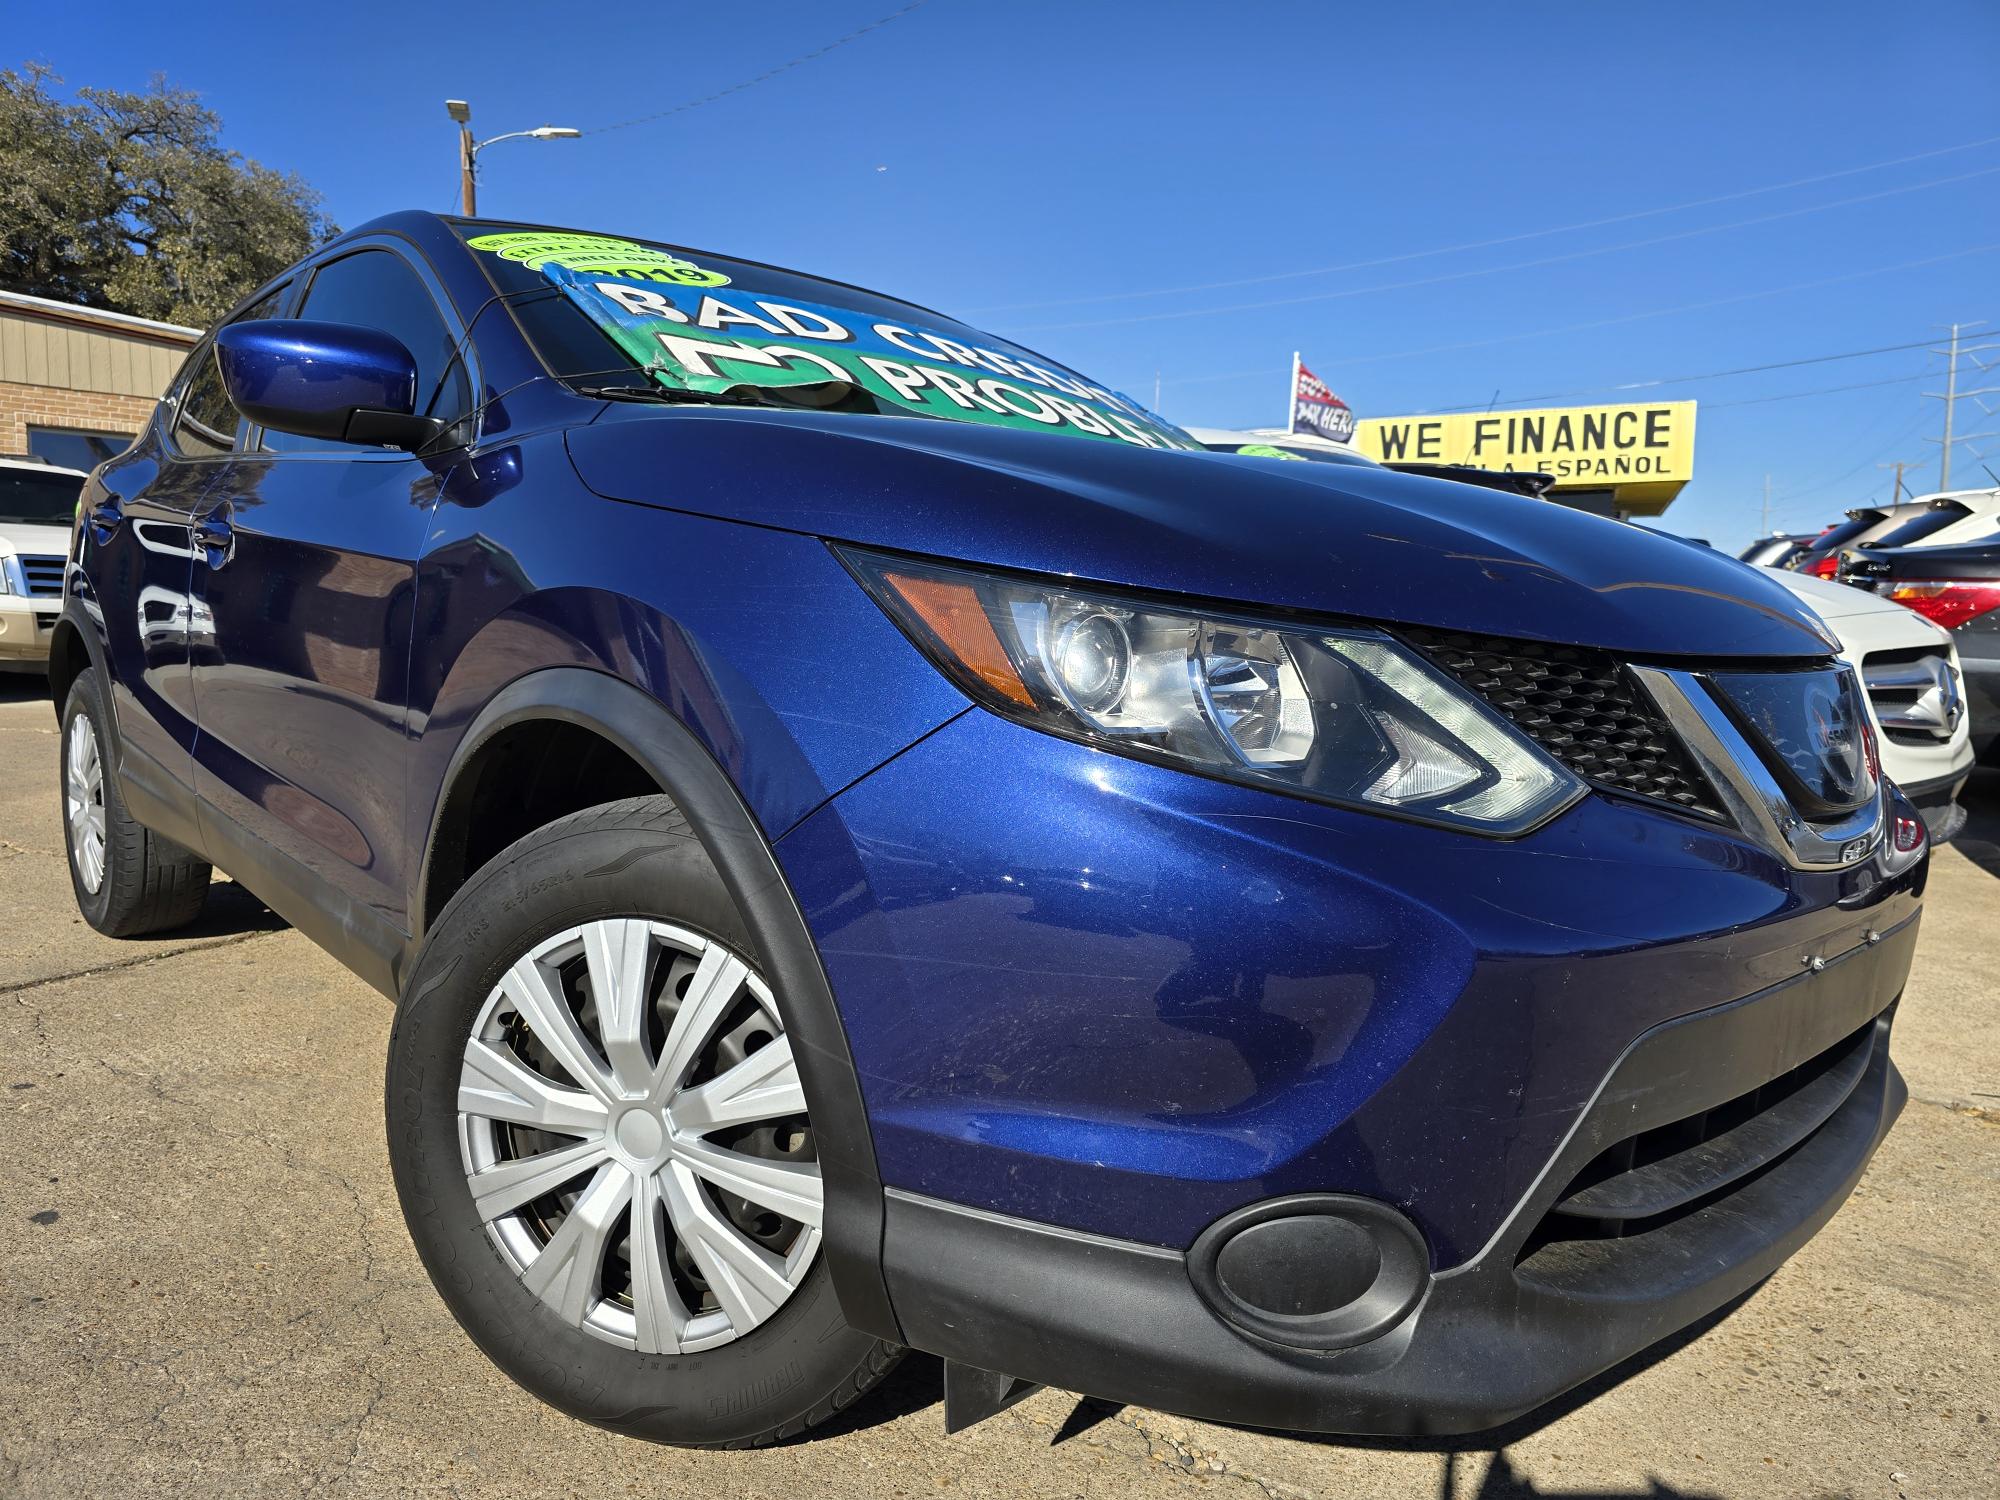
(76, 450)
(38, 499)
(207, 422)
(1918, 527)
(1852, 527)
(378, 289)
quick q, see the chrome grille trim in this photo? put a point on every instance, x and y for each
(43, 574)
(1750, 793)
(1918, 696)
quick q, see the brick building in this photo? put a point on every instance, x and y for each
(77, 384)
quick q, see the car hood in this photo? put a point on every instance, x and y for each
(1863, 621)
(1830, 600)
(34, 539)
(1364, 543)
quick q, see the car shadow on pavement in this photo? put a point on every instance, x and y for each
(1501, 1481)
(23, 687)
(229, 911)
(1979, 840)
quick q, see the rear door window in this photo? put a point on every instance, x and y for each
(205, 424)
(1918, 527)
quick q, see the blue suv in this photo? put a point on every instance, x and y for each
(878, 841)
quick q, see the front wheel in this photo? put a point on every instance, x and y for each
(603, 1148)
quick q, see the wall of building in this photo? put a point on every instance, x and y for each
(79, 369)
(23, 406)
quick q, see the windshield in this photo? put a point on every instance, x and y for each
(1919, 527)
(38, 499)
(1852, 527)
(688, 325)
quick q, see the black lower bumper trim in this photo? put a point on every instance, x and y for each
(1488, 1340)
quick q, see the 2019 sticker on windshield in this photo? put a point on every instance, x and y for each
(599, 254)
(819, 355)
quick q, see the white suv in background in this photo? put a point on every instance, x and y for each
(37, 508)
(1915, 690)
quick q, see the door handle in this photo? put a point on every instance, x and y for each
(215, 536)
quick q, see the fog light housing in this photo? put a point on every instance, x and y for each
(1314, 1271)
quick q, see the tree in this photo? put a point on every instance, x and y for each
(130, 202)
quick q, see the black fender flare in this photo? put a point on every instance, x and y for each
(647, 731)
(75, 617)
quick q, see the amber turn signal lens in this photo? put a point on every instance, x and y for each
(955, 615)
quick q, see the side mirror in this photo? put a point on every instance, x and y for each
(333, 381)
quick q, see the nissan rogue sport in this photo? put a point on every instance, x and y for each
(879, 841)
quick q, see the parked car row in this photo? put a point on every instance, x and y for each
(1937, 557)
(1915, 685)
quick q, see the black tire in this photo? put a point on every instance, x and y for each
(148, 883)
(635, 858)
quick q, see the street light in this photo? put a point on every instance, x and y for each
(469, 149)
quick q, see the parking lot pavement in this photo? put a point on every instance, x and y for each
(208, 1291)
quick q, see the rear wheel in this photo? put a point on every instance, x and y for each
(129, 881)
(603, 1147)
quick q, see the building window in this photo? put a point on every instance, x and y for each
(76, 450)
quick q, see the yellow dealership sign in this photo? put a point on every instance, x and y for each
(1644, 453)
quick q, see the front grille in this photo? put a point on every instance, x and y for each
(1582, 707)
(1656, 1187)
(44, 575)
(1914, 694)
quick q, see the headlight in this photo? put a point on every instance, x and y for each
(8, 566)
(1341, 714)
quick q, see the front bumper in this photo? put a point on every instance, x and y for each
(27, 624)
(1088, 992)
(1538, 1309)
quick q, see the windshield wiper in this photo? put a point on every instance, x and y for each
(775, 397)
(659, 393)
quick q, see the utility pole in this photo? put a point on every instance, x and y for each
(1950, 401)
(468, 188)
(1951, 395)
(1896, 496)
(469, 149)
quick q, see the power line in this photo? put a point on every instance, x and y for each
(769, 73)
(1511, 239)
(1522, 265)
(1791, 498)
(1825, 390)
(1346, 361)
(1647, 385)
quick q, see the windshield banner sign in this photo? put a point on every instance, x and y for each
(698, 334)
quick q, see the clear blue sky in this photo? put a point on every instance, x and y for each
(981, 157)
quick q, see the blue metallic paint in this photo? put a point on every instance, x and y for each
(1078, 988)
(1102, 993)
(1365, 543)
(310, 378)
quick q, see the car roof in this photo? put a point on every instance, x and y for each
(13, 462)
(455, 221)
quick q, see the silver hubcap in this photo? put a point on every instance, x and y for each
(83, 802)
(635, 1136)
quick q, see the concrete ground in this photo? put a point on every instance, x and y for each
(206, 1288)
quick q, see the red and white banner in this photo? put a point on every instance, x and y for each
(1315, 408)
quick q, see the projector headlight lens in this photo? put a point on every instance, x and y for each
(1340, 714)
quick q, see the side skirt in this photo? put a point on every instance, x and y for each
(361, 939)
